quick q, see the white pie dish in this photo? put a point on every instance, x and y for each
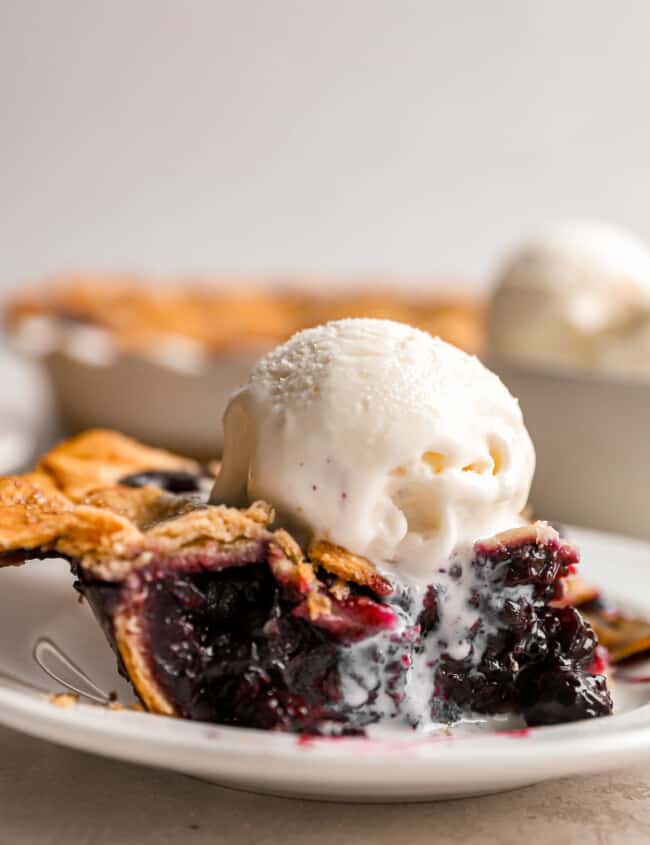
(38, 601)
(175, 406)
(173, 395)
(160, 362)
(591, 439)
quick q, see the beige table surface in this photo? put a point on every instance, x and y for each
(53, 795)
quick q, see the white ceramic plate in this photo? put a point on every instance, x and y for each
(37, 600)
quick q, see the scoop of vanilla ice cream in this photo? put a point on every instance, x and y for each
(572, 297)
(379, 438)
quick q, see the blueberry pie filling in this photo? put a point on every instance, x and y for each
(218, 614)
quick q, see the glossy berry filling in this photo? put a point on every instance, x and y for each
(233, 640)
(228, 646)
(173, 481)
(228, 650)
(534, 658)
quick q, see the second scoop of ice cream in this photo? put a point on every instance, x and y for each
(380, 438)
(577, 297)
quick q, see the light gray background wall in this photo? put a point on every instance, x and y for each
(332, 135)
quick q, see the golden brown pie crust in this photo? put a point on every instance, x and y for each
(229, 314)
(71, 504)
(348, 567)
(99, 458)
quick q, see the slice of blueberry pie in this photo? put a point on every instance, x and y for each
(391, 580)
